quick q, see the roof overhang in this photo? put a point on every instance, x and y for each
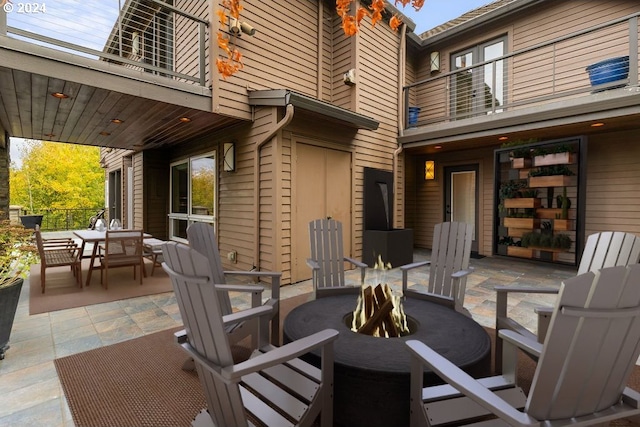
(284, 97)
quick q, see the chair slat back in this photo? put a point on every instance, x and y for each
(202, 238)
(325, 236)
(591, 346)
(450, 252)
(192, 278)
(39, 243)
(608, 249)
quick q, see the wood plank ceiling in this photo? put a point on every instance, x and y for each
(28, 110)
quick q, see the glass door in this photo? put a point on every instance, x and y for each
(480, 89)
(461, 193)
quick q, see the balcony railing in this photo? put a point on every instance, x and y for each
(147, 35)
(58, 219)
(538, 75)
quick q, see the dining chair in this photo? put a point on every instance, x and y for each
(58, 253)
(121, 248)
(582, 371)
(273, 387)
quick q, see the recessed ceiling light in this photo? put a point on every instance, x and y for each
(117, 121)
(185, 119)
(597, 125)
(437, 147)
(59, 95)
(503, 138)
(104, 133)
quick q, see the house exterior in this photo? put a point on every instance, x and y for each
(291, 136)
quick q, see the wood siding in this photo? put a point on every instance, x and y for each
(613, 179)
(187, 34)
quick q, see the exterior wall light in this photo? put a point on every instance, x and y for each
(429, 170)
(229, 156)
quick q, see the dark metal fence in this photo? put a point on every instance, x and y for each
(65, 219)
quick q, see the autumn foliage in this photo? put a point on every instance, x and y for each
(229, 65)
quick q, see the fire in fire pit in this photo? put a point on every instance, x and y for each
(379, 313)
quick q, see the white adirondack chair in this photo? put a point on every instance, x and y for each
(202, 238)
(327, 259)
(448, 267)
(584, 365)
(607, 249)
(273, 387)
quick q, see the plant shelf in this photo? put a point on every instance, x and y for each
(520, 163)
(563, 224)
(520, 252)
(555, 159)
(551, 181)
(522, 202)
(527, 223)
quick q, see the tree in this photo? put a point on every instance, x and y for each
(57, 176)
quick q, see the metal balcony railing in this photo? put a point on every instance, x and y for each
(538, 75)
(59, 219)
(148, 35)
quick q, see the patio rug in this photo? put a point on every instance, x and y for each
(140, 382)
(62, 292)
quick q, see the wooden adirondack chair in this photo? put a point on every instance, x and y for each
(273, 386)
(327, 259)
(448, 267)
(607, 249)
(583, 368)
(202, 238)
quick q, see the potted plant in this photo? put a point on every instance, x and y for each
(551, 176)
(17, 253)
(555, 155)
(520, 155)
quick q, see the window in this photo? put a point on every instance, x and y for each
(478, 90)
(193, 193)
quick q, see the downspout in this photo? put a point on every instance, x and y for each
(288, 116)
(401, 77)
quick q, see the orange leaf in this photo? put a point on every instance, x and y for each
(222, 16)
(417, 4)
(349, 25)
(343, 6)
(223, 43)
(377, 6)
(360, 14)
(395, 22)
(404, 2)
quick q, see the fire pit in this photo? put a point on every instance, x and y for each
(372, 374)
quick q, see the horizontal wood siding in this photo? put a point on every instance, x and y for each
(139, 220)
(283, 53)
(328, 10)
(613, 179)
(344, 49)
(427, 204)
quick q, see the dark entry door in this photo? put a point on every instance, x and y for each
(461, 197)
(115, 195)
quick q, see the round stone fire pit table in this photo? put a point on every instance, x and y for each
(371, 374)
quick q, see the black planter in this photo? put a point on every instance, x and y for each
(9, 297)
(30, 221)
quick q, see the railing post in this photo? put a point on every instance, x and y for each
(633, 50)
(406, 107)
(202, 34)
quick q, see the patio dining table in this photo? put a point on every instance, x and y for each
(95, 237)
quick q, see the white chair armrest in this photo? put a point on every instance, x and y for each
(313, 264)
(524, 343)
(247, 314)
(526, 289)
(240, 288)
(467, 385)
(281, 354)
(411, 266)
(357, 263)
(462, 273)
